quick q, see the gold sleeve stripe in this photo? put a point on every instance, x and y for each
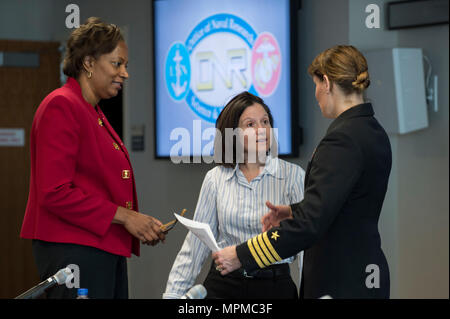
(259, 251)
(270, 247)
(264, 248)
(254, 254)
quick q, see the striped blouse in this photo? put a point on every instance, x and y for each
(233, 208)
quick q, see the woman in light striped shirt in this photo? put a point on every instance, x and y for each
(233, 200)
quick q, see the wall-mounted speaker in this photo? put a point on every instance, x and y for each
(397, 89)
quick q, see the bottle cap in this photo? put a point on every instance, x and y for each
(82, 291)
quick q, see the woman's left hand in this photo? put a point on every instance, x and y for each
(226, 260)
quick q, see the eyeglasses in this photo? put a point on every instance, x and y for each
(166, 227)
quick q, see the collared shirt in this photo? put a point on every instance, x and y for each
(233, 208)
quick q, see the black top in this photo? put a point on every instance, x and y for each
(336, 224)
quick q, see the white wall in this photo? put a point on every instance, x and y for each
(424, 183)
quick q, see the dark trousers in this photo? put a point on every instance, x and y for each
(102, 273)
(236, 286)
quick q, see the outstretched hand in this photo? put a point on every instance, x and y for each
(275, 216)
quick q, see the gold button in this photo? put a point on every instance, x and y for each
(116, 146)
(129, 205)
(126, 174)
(100, 122)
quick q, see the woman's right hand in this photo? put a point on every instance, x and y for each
(145, 228)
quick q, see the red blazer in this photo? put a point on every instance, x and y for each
(80, 173)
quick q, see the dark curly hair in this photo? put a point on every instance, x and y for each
(93, 38)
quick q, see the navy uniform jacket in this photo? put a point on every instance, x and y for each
(336, 224)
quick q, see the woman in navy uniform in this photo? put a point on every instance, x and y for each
(346, 180)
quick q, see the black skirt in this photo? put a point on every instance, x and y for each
(102, 273)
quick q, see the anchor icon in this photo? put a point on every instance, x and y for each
(180, 69)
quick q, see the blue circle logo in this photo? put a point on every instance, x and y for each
(213, 64)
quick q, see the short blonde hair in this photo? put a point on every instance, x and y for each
(345, 66)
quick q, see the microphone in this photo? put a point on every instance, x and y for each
(196, 292)
(57, 279)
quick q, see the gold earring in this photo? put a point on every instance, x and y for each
(89, 75)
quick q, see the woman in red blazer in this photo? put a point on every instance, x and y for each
(82, 207)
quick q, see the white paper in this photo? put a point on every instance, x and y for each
(201, 230)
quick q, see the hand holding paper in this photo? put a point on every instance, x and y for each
(201, 230)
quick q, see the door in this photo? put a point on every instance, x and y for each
(21, 91)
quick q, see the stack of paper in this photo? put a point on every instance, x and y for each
(201, 230)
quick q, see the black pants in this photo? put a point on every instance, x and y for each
(102, 273)
(236, 286)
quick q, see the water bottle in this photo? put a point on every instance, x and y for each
(82, 293)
